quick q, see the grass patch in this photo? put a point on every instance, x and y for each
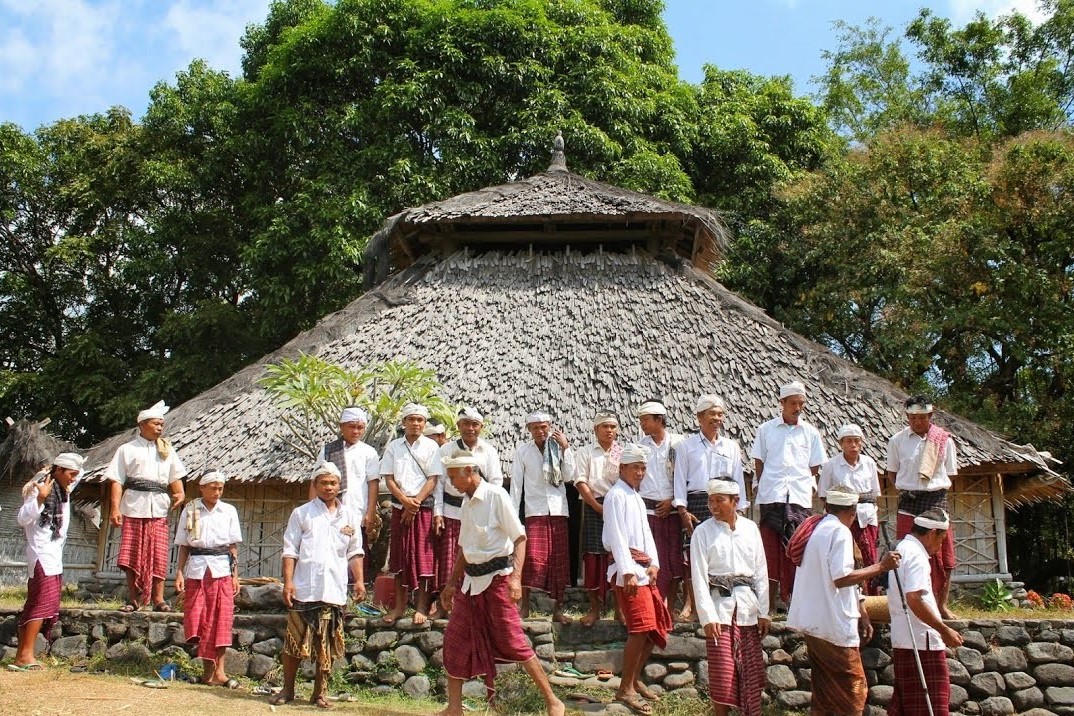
(15, 596)
(972, 610)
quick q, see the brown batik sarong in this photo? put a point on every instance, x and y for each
(315, 631)
(839, 685)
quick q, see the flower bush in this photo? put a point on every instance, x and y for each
(1035, 599)
(1061, 601)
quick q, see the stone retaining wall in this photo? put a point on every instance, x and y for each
(1005, 667)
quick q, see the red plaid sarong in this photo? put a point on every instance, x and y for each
(43, 593)
(780, 566)
(866, 538)
(908, 698)
(484, 629)
(595, 567)
(143, 549)
(547, 566)
(667, 534)
(941, 563)
(209, 614)
(446, 550)
(645, 613)
(736, 668)
(412, 551)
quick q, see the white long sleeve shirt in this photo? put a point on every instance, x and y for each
(410, 478)
(904, 459)
(218, 527)
(490, 466)
(363, 467)
(789, 453)
(657, 484)
(698, 460)
(596, 470)
(318, 540)
(915, 572)
(542, 499)
(861, 477)
(139, 459)
(40, 547)
(716, 549)
(819, 608)
(489, 528)
(626, 526)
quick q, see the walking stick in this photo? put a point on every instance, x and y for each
(909, 622)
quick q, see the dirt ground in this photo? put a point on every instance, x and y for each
(57, 692)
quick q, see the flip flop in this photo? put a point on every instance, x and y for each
(646, 693)
(149, 683)
(369, 611)
(604, 674)
(231, 684)
(570, 671)
(584, 698)
(129, 607)
(26, 667)
(636, 704)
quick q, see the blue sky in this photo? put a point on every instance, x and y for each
(61, 58)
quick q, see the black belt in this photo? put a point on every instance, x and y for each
(450, 499)
(427, 502)
(493, 565)
(135, 483)
(867, 498)
(651, 504)
(208, 551)
(726, 583)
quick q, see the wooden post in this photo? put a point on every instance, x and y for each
(999, 514)
(105, 531)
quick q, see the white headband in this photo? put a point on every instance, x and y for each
(604, 417)
(707, 401)
(415, 409)
(795, 387)
(538, 417)
(841, 496)
(326, 468)
(463, 458)
(434, 429)
(652, 408)
(156, 411)
(722, 486)
(633, 454)
(931, 524)
(850, 430)
(919, 409)
(69, 461)
(353, 415)
(211, 477)
(469, 413)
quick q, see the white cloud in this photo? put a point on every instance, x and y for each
(962, 11)
(211, 30)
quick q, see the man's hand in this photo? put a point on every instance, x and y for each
(890, 561)
(762, 627)
(950, 637)
(630, 585)
(560, 439)
(358, 592)
(370, 520)
(438, 525)
(688, 521)
(713, 631)
(598, 508)
(288, 594)
(514, 587)
(447, 597)
(865, 628)
(235, 586)
(652, 571)
(180, 582)
(116, 518)
(44, 489)
(663, 508)
(177, 502)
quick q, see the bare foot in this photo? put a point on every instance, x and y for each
(284, 697)
(589, 619)
(420, 618)
(556, 708)
(435, 612)
(686, 615)
(448, 711)
(646, 693)
(561, 618)
(393, 616)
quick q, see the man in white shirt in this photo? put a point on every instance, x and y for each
(411, 469)
(447, 501)
(598, 470)
(730, 583)
(435, 431)
(860, 472)
(787, 455)
(657, 492)
(634, 570)
(147, 483)
(826, 607)
(321, 543)
(485, 627)
(540, 472)
(359, 469)
(698, 459)
(45, 516)
(207, 574)
(921, 462)
(922, 627)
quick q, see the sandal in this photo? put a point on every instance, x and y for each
(162, 607)
(129, 607)
(231, 684)
(636, 704)
(26, 667)
(646, 693)
(604, 674)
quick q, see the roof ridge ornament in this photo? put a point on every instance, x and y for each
(559, 159)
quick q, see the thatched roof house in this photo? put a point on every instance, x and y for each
(564, 293)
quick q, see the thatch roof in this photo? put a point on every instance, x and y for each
(545, 212)
(571, 332)
(26, 448)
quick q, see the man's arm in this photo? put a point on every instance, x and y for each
(858, 576)
(180, 567)
(175, 489)
(923, 612)
(289, 580)
(115, 492)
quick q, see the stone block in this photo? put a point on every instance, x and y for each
(157, 635)
(1048, 635)
(244, 638)
(1049, 652)
(417, 686)
(437, 660)
(1027, 699)
(1009, 635)
(987, 684)
(238, 662)
(654, 672)
(1054, 674)
(410, 659)
(535, 627)
(678, 665)
(1066, 636)
(779, 656)
(679, 680)
(100, 646)
(684, 647)
(881, 695)
(542, 639)
(800, 656)
(771, 643)
(703, 674)
(959, 674)
(997, 706)
(602, 632)
(1059, 695)
(971, 659)
(70, 647)
(473, 689)
(872, 658)
(545, 651)
(805, 679)
(959, 696)
(589, 662)
(1038, 712)
(429, 641)
(381, 640)
(1005, 659)
(391, 676)
(115, 630)
(687, 692)
(973, 639)
(887, 675)
(260, 666)
(781, 678)
(268, 647)
(1018, 680)
(796, 700)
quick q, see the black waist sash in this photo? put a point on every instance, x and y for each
(208, 551)
(452, 500)
(726, 583)
(427, 502)
(493, 565)
(136, 483)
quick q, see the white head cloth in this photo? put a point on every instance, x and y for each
(69, 461)
(538, 416)
(157, 411)
(468, 413)
(653, 407)
(414, 409)
(919, 408)
(933, 520)
(842, 496)
(326, 468)
(795, 387)
(633, 453)
(708, 401)
(722, 486)
(213, 476)
(850, 430)
(433, 429)
(605, 417)
(463, 458)
(353, 415)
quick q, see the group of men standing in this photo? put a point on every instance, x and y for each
(665, 512)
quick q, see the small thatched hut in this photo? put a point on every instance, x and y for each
(564, 293)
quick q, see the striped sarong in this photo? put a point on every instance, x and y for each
(209, 614)
(547, 566)
(43, 592)
(592, 530)
(838, 678)
(143, 549)
(667, 534)
(908, 698)
(737, 674)
(645, 613)
(447, 550)
(412, 550)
